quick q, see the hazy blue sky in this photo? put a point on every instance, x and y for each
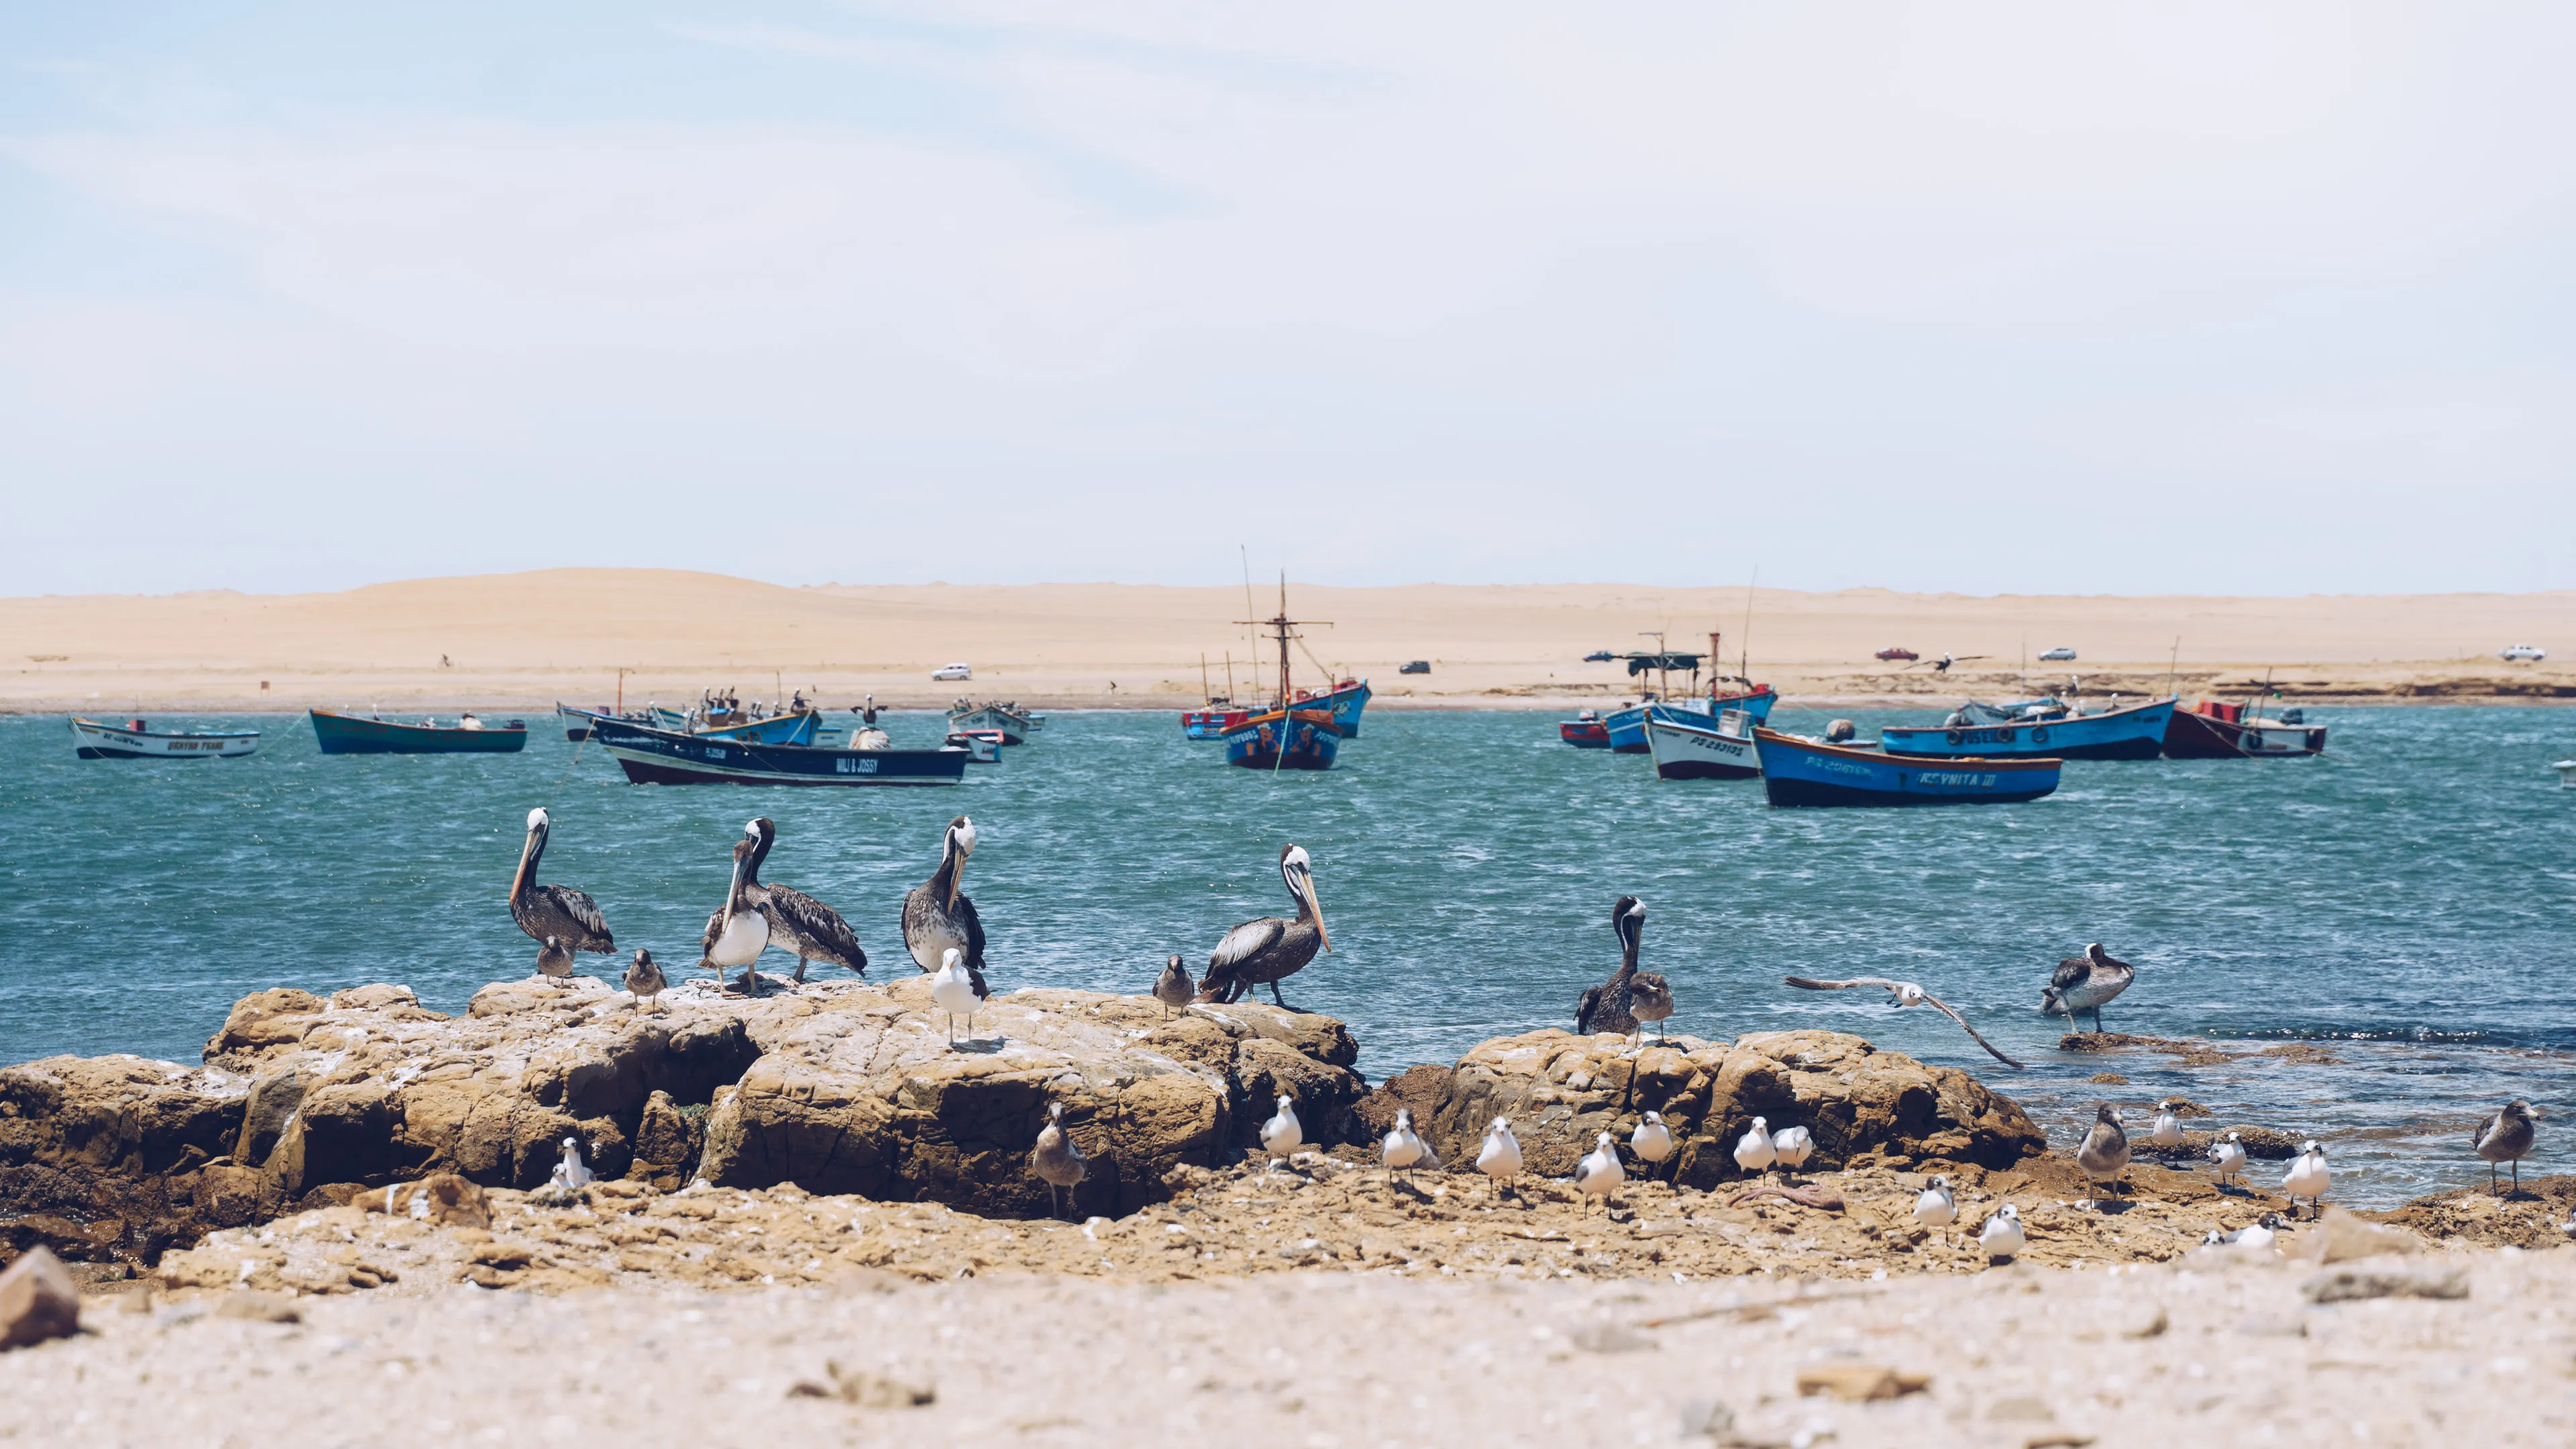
(1996, 298)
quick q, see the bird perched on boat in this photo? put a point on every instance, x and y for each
(1754, 1151)
(2002, 1236)
(1403, 1148)
(2104, 1152)
(2084, 983)
(1283, 1134)
(1652, 1141)
(737, 933)
(559, 919)
(645, 980)
(1904, 994)
(1500, 1157)
(958, 991)
(2506, 1137)
(797, 921)
(1790, 1146)
(1272, 948)
(1599, 1173)
(1055, 1159)
(2307, 1178)
(2166, 1130)
(1174, 988)
(2228, 1156)
(937, 915)
(1935, 1206)
(1630, 997)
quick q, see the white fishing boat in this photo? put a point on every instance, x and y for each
(134, 740)
(1685, 751)
(2566, 773)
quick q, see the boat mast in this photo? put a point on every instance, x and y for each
(1281, 626)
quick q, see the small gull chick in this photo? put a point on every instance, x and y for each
(2506, 1137)
(1754, 1151)
(1599, 1173)
(2002, 1235)
(1500, 1157)
(644, 980)
(2307, 1177)
(1055, 1159)
(2104, 1152)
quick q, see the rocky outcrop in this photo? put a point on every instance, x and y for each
(1863, 1105)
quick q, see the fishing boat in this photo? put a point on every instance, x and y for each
(672, 757)
(1013, 722)
(1685, 751)
(2037, 727)
(1799, 771)
(2214, 730)
(577, 720)
(1302, 729)
(724, 716)
(352, 734)
(1585, 731)
(1344, 702)
(1627, 727)
(2566, 773)
(984, 746)
(133, 740)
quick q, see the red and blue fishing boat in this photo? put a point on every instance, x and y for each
(1302, 729)
(351, 734)
(1628, 727)
(1585, 731)
(2033, 727)
(1799, 771)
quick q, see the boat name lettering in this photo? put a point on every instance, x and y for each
(1844, 767)
(855, 767)
(1958, 779)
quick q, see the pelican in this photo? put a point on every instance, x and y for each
(2506, 1137)
(2104, 1152)
(2227, 1156)
(957, 989)
(1652, 1141)
(1055, 1159)
(937, 915)
(559, 919)
(1754, 1151)
(1790, 1147)
(1283, 1134)
(644, 979)
(2167, 1128)
(797, 921)
(1599, 1173)
(1905, 993)
(2307, 1178)
(1934, 1207)
(2002, 1236)
(737, 933)
(1630, 997)
(1404, 1147)
(2083, 983)
(1273, 948)
(1500, 1157)
(1173, 988)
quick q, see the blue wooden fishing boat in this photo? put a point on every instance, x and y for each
(672, 757)
(796, 727)
(1806, 772)
(350, 734)
(1297, 739)
(2034, 727)
(1627, 727)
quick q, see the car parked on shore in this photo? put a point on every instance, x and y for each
(2059, 655)
(953, 671)
(2522, 654)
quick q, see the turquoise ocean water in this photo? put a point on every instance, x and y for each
(2405, 902)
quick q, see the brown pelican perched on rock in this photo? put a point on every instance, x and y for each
(1630, 998)
(937, 916)
(1273, 948)
(797, 921)
(559, 919)
(2085, 983)
(737, 933)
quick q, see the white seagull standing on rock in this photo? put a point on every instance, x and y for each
(2228, 1156)
(1790, 1145)
(2166, 1131)
(572, 1171)
(1599, 1173)
(1282, 1135)
(1500, 1158)
(952, 990)
(2307, 1177)
(1754, 1151)
(1934, 1207)
(1652, 1141)
(2002, 1236)
(1403, 1147)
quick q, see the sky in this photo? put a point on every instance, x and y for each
(1989, 298)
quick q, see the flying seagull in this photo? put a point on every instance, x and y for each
(1906, 994)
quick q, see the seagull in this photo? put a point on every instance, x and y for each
(1500, 1157)
(2257, 1236)
(1652, 1141)
(1599, 1174)
(2506, 1137)
(1174, 988)
(1283, 1134)
(1906, 993)
(2307, 1178)
(956, 991)
(2104, 1152)
(2002, 1235)
(2085, 983)
(1055, 1159)
(2229, 1156)
(1404, 1147)
(1934, 1207)
(1790, 1145)
(553, 961)
(572, 1171)
(645, 980)
(1754, 1151)
(2167, 1129)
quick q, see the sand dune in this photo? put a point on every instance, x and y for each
(520, 640)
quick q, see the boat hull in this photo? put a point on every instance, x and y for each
(1210, 724)
(2136, 733)
(665, 757)
(92, 740)
(1798, 772)
(1687, 752)
(2197, 736)
(1011, 724)
(1584, 734)
(1628, 727)
(348, 734)
(800, 728)
(1305, 740)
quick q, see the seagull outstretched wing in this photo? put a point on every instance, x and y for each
(1898, 988)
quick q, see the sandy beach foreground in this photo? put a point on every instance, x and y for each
(522, 641)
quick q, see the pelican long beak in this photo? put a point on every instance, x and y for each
(732, 894)
(1317, 906)
(527, 852)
